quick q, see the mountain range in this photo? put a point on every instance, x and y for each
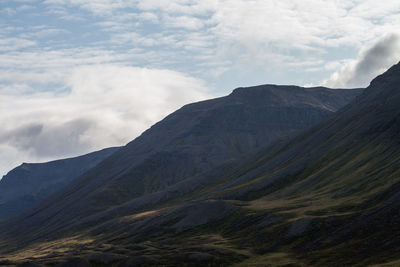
(192, 140)
(278, 175)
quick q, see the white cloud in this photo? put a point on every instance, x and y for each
(268, 34)
(107, 105)
(260, 30)
(137, 39)
(371, 62)
(185, 22)
(12, 44)
(174, 7)
(51, 59)
(98, 7)
(41, 32)
(149, 17)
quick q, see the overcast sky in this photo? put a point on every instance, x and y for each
(80, 75)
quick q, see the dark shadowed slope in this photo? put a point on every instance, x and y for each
(191, 151)
(335, 187)
(342, 156)
(29, 183)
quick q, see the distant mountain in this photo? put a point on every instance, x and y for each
(173, 173)
(29, 183)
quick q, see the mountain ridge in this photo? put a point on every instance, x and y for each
(234, 109)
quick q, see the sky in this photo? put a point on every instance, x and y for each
(80, 75)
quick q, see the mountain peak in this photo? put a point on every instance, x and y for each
(291, 96)
(385, 88)
(391, 75)
(260, 89)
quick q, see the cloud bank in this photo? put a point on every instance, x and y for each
(106, 105)
(371, 62)
(238, 38)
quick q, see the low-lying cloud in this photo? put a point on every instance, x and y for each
(100, 106)
(371, 62)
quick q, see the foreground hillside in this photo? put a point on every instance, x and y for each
(328, 196)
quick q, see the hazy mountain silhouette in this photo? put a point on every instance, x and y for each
(29, 183)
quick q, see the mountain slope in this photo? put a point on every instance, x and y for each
(337, 184)
(329, 196)
(359, 140)
(29, 183)
(195, 139)
(174, 170)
